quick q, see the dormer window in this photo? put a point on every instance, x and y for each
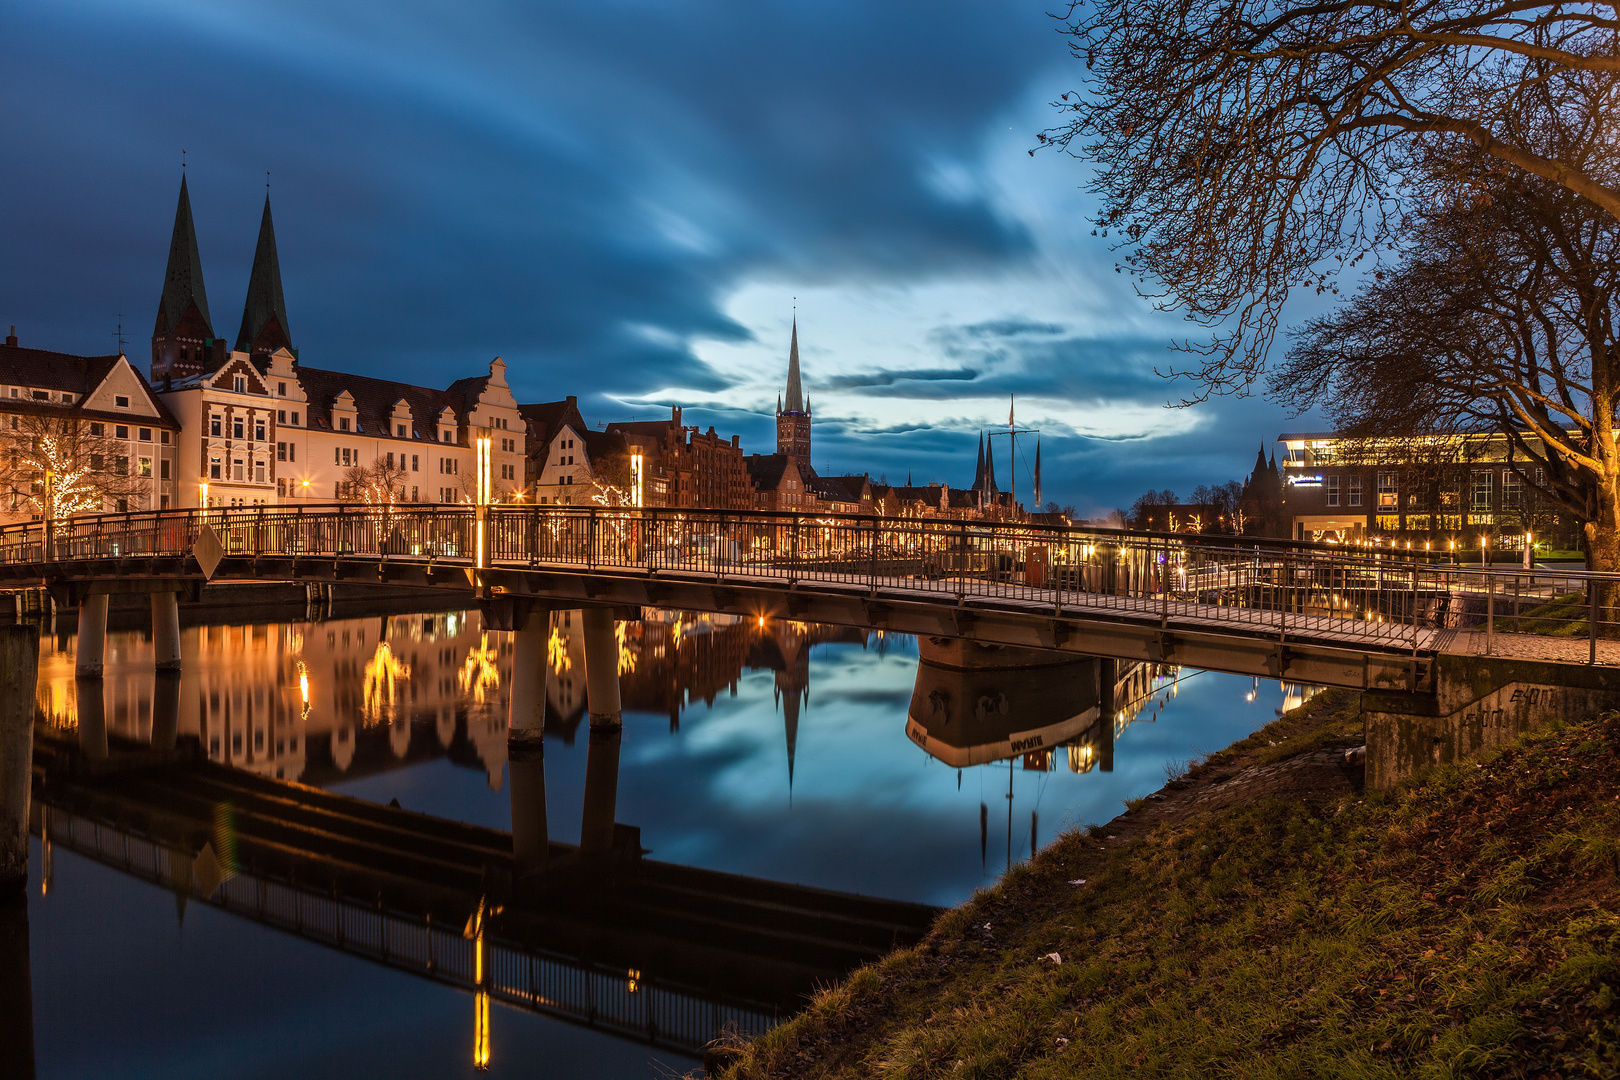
(399, 431)
(67, 399)
(42, 395)
(121, 401)
(446, 435)
(239, 383)
(281, 389)
(343, 424)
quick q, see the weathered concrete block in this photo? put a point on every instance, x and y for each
(1478, 703)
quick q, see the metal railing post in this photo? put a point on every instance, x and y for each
(1592, 621)
(1490, 614)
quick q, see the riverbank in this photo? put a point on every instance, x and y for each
(1261, 916)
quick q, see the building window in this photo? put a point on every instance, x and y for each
(343, 424)
(143, 466)
(292, 452)
(413, 464)
(281, 389)
(258, 472)
(239, 384)
(1388, 491)
(163, 437)
(213, 468)
(390, 461)
(98, 430)
(281, 416)
(146, 434)
(1480, 491)
(294, 416)
(121, 465)
(399, 430)
(236, 428)
(1355, 491)
(120, 401)
(237, 471)
(413, 494)
(281, 487)
(163, 502)
(1333, 491)
(214, 426)
(1512, 491)
(121, 431)
(258, 430)
(281, 451)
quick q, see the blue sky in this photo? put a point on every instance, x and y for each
(622, 199)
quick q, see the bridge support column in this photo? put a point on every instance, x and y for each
(607, 729)
(166, 631)
(526, 725)
(531, 841)
(19, 662)
(92, 637)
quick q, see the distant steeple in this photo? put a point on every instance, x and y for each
(978, 470)
(990, 469)
(183, 282)
(795, 392)
(264, 316)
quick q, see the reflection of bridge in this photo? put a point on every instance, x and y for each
(1304, 613)
(652, 951)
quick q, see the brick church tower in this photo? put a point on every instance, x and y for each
(793, 414)
(183, 339)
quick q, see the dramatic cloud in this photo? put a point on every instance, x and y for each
(622, 199)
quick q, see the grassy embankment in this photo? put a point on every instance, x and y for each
(1253, 921)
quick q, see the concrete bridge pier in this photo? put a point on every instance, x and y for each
(19, 663)
(531, 666)
(607, 729)
(165, 631)
(92, 637)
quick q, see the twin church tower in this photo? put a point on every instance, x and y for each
(183, 341)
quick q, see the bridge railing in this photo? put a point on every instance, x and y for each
(1393, 600)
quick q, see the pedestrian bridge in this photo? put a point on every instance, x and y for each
(1323, 614)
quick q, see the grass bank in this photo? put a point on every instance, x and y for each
(1261, 918)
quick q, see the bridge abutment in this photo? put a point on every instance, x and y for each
(1478, 704)
(19, 664)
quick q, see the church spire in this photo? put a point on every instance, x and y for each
(990, 469)
(264, 316)
(795, 392)
(978, 470)
(183, 281)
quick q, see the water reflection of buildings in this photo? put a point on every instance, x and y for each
(305, 701)
(323, 701)
(973, 705)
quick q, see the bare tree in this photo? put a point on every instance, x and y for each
(1502, 319)
(381, 487)
(1247, 148)
(59, 465)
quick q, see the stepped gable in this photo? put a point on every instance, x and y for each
(374, 401)
(264, 316)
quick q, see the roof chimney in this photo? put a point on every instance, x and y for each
(11, 338)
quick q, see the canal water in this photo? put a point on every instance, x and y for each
(811, 755)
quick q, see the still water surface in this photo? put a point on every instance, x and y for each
(778, 751)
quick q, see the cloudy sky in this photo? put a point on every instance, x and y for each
(623, 199)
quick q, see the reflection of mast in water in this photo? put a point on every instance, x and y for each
(984, 836)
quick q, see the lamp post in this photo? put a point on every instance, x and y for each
(1529, 550)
